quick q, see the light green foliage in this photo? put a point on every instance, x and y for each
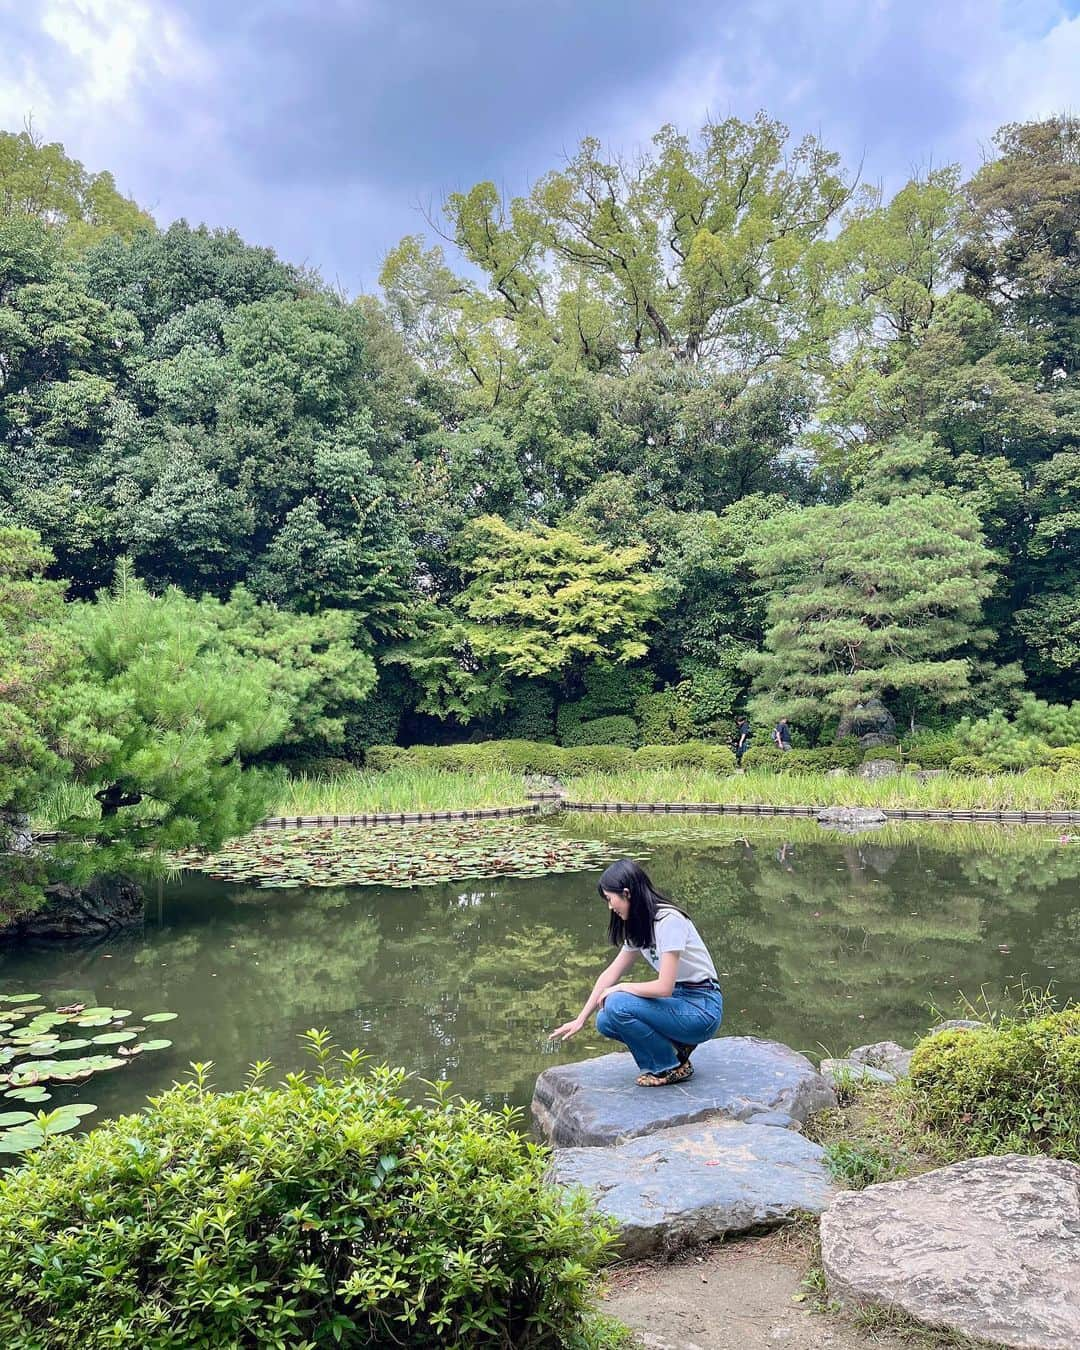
(994, 742)
(1011, 1088)
(665, 717)
(159, 713)
(707, 249)
(717, 759)
(40, 181)
(541, 599)
(324, 1211)
(869, 599)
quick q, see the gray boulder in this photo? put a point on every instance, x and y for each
(596, 1101)
(851, 817)
(871, 722)
(884, 1055)
(878, 768)
(840, 1072)
(989, 1248)
(957, 1024)
(697, 1182)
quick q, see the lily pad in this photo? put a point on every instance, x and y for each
(159, 1017)
(28, 1094)
(9, 1118)
(18, 998)
(113, 1038)
(155, 1045)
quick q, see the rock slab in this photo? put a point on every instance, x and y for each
(697, 1182)
(596, 1101)
(851, 817)
(887, 1055)
(838, 1073)
(989, 1247)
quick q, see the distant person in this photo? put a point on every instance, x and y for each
(782, 734)
(743, 733)
(662, 1021)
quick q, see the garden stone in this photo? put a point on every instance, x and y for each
(780, 1119)
(874, 769)
(871, 722)
(957, 1024)
(697, 1182)
(101, 907)
(597, 1101)
(839, 1073)
(925, 775)
(851, 817)
(884, 1055)
(989, 1248)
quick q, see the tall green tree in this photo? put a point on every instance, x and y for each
(38, 180)
(880, 597)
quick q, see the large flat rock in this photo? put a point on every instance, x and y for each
(989, 1248)
(697, 1182)
(597, 1102)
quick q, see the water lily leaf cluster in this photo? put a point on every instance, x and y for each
(397, 855)
(37, 1054)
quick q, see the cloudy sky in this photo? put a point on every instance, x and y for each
(324, 127)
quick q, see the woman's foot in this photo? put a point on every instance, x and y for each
(684, 1051)
(681, 1073)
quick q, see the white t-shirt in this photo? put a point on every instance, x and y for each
(673, 932)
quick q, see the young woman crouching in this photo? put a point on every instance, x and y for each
(661, 1021)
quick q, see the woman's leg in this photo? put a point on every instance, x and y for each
(651, 1027)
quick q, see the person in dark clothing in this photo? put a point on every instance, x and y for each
(782, 735)
(742, 736)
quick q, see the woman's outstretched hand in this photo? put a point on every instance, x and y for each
(568, 1029)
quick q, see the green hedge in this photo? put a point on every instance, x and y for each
(665, 718)
(933, 749)
(1014, 1087)
(617, 730)
(691, 754)
(324, 1212)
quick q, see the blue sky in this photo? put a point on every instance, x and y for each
(324, 129)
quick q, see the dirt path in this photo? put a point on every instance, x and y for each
(738, 1295)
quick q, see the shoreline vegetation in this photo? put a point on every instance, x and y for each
(418, 788)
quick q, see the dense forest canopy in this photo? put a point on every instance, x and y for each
(710, 428)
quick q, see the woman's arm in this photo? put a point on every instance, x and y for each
(661, 987)
(607, 977)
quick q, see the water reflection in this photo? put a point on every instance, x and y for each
(823, 944)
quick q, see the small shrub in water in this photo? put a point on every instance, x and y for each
(326, 1211)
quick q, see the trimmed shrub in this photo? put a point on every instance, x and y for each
(765, 757)
(532, 714)
(691, 754)
(319, 1213)
(888, 752)
(612, 689)
(1010, 1088)
(1065, 757)
(379, 758)
(933, 750)
(596, 759)
(605, 731)
(664, 718)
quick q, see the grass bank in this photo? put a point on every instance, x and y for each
(413, 787)
(1038, 789)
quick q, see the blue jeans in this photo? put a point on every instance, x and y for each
(650, 1027)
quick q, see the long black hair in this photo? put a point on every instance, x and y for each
(645, 900)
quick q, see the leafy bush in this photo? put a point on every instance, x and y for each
(597, 759)
(613, 689)
(326, 1211)
(567, 720)
(531, 715)
(933, 749)
(691, 754)
(605, 731)
(886, 752)
(711, 691)
(967, 766)
(1064, 757)
(664, 718)
(1014, 1087)
(765, 757)
(1026, 741)
(379, 758)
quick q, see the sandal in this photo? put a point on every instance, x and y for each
(679, 1074)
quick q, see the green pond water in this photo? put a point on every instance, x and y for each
(823, 942)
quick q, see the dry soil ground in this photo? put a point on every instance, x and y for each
(738, 1295)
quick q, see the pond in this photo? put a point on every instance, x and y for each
(823, 942)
